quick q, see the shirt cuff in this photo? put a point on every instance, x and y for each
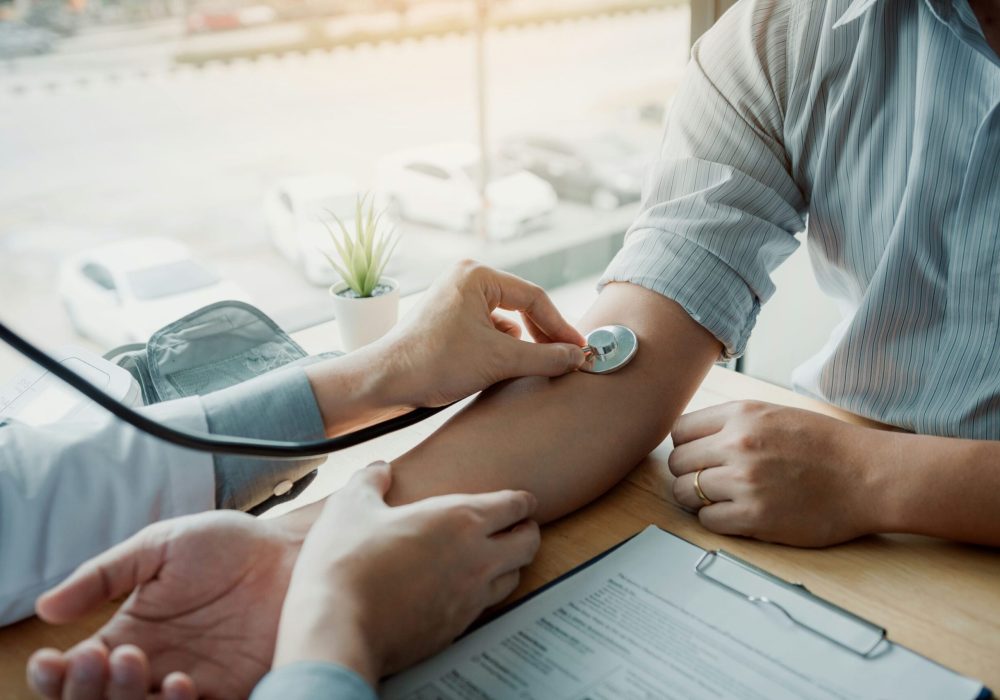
(710, 291)
(312, 679)
(279, 405)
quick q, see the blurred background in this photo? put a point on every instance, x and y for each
(156, 155)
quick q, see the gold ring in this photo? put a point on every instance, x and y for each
(697, 489)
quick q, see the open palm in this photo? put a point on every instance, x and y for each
(206, 596)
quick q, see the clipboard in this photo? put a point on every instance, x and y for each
(696, 594)
(795, 602)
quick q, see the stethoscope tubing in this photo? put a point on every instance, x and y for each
(205, 442)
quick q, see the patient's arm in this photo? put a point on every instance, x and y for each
(568, 440)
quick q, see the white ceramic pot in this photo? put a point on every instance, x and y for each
(364, 320)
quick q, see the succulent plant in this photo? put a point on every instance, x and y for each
(365, 253)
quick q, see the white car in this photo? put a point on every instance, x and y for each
(296, 209)
(439, 185)
(125, 291)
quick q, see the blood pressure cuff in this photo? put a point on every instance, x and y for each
(213, 348)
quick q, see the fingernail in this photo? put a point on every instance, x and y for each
(88, 666)
(121, 674)
(378, 464)
(41, 677)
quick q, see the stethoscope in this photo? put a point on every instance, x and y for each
(608, 349)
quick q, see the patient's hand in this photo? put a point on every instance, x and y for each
(206, 596)
(778, 474)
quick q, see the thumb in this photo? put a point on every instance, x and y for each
(373, 482)
(542, 359)
(105, 577)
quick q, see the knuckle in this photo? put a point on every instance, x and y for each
(746, 442)
(468, 268)
(678, 490)
(751, 475)
(480, 573)
(520, 501)
(741, 441)
(749, 408)
(464, 517)
(534, 537)
(675, 461)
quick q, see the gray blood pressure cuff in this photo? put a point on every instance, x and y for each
(214, 348)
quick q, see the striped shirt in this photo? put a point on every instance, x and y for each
(877, 124)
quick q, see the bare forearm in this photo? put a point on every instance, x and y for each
(944, 487)
(567, 440)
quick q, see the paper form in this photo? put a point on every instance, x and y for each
(641, 624)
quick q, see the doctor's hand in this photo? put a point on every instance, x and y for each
(376, 589)
(774, 473)
(456, 343)
(206, 596)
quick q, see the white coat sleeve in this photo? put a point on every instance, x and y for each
(70, 491)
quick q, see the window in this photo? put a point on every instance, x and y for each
(286, 202)
(99, 276)
(429, 170)
(230, 128)
(170, 279)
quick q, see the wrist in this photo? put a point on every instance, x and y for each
(296, 524)
(355, 390)
(335, 639)
(870, 455)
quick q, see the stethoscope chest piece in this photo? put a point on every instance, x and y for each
(609, 348)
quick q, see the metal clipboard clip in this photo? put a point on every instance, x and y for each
(794, 602)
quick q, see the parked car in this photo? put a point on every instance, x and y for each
(217, 18)
(17, 40)
(439, 185)
(602, 170)
(124, 291)
(296, 209)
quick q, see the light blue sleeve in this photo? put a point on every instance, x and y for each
(279, 405)
(308, 680)
(720, 205)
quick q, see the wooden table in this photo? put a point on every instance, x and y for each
(941, 599)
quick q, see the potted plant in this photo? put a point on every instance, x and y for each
(366, 303)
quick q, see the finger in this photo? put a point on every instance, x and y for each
(515, 294)
(513, 550)
(105, 577)
(129, 674)
(524, 359)
(506, 325)
(537, 334)
(178, 686)
(502, 586)
(501, 510)
(371, 483)
(701, 453)
(46, 672)
(718, 484)
(87, 672)
(701, 423)
(726, 518)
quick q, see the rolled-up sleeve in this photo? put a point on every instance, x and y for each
(279, 405)
(720, 207)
